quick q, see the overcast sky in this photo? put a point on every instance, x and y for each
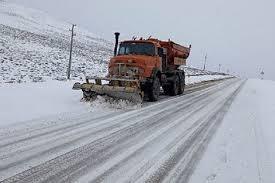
(238, 34)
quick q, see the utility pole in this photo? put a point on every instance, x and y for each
(71, 50)
(204, 65)
(262, 75)
(220, 65)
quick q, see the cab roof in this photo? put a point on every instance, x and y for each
(152, 41)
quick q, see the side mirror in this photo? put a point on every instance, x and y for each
(160, 52)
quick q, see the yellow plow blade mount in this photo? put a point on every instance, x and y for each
(124, 89)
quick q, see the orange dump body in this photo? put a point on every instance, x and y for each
(176, 54)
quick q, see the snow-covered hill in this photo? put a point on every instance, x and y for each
(190, 71)
(34, 46)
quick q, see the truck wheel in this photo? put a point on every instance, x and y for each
(154, 90)
(174, 88)
(88, 95)
(181, 87)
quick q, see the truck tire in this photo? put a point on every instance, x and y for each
(154, 91)
(174, 87)
(87, 95)
(181, 87)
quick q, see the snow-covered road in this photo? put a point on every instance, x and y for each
(243, 148)
(158, 142)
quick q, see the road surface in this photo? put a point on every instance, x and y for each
(160, 142)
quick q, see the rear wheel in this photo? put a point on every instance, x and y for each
(154, 91)
(174, 88)
(181, 87)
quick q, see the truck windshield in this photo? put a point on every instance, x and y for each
(136, 49)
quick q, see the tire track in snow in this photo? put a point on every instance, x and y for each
(82, 124)
(143, 169)
(33, 154)
(170, 109)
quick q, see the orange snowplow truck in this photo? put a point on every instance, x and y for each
(138, 69)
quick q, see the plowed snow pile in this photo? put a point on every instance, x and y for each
(27, 101)
(105, 102)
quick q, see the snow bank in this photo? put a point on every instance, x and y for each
(243, 149)
(194, 71)
(50, 100)
(198, 79)
(105, 102)
(26, 101)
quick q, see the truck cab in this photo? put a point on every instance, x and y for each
(136, 59)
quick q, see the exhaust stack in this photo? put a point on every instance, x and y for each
(116, 43)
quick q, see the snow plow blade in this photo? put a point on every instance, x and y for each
(124, 89)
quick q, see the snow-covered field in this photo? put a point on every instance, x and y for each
(191, 71)
(35, 47)
(200, 78)
(243, 149)
(26, 101)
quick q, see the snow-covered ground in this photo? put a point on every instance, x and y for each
(155, 143)
(201, 78)
(48, 100)
(191, 71)
(243, 149)
(26, 101)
